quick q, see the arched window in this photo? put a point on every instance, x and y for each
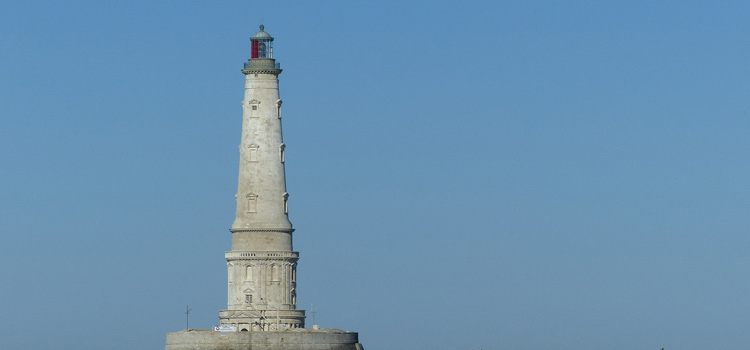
(286, 203)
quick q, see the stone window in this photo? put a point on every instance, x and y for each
(248, 298)
(286, 203)
(254, 108)
(252, 202)
(252, 152)
(281, 151)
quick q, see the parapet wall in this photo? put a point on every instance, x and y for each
(300, 339)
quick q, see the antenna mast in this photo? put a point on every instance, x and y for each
(187, 317)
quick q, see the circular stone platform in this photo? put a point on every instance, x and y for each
(294, 339)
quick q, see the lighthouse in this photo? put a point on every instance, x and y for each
(262, 265)
(261, 308)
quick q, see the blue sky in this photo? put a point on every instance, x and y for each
(463, 175)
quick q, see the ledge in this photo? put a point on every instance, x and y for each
(260, 255)
(262, 71)
(286, 230)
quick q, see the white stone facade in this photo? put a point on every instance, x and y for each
(262, 264)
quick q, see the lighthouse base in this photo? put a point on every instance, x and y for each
(294, 339)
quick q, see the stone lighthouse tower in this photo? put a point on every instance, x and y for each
(262, 264)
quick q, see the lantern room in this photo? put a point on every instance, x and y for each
(262, 44)
(261, 58)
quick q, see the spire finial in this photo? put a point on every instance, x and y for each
(262, 27)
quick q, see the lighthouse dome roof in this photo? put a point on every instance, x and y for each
(261, 35)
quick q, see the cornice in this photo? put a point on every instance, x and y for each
(284, 230)
(273, 71)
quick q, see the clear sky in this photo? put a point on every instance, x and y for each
(462, 174)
